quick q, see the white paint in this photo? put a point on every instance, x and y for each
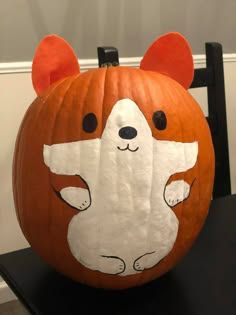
(176, 191)
(77, 197)
(6, 293)
(128, 217)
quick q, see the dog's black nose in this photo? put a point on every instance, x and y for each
(127, 132)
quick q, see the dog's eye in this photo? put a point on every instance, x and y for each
(90, 122)
(159, 120)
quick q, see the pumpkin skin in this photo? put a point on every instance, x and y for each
(57, 117)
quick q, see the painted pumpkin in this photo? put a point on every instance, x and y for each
(113, 167)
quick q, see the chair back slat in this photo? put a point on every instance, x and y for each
(202, 77)
(212, 77)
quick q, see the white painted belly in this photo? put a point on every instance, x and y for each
(127, 230)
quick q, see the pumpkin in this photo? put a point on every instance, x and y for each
(113, 168)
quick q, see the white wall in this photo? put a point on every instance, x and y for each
(130, 25)
(16, 95)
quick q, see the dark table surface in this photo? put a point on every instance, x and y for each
(204, 283)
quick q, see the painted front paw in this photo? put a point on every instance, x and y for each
(176, 192)
(111, 264)
(76, 197)
(146, 261)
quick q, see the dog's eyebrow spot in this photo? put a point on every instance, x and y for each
(159, 120)
(90, 122)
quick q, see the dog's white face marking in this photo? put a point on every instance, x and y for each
(129, 225)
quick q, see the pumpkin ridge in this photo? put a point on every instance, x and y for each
(91, 77)
(98, 276)
(142, 77)
(103, 124)
(20, 143)
(49, 213)
(55, 87)
(196, 166)
(182, 204)
(28, 211)
(183, 175)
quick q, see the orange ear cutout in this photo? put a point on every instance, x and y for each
(54, 59)
(170, 55)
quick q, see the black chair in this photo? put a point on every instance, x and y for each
(212, 77)
(203, 283)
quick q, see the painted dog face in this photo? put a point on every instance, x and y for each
(121, 169)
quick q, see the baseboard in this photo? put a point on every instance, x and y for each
(86, 64)
(6, 295)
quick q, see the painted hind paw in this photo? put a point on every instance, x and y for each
(111, 265)
(145, 261)
(76, 197)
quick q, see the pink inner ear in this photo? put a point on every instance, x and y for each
(54, 59)
(170, 55)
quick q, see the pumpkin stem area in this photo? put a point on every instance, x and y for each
(107, 57)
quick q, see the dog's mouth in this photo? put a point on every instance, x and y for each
(127, 148)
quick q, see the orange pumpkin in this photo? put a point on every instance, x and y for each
(113, 168)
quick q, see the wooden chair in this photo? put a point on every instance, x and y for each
(212, 77)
